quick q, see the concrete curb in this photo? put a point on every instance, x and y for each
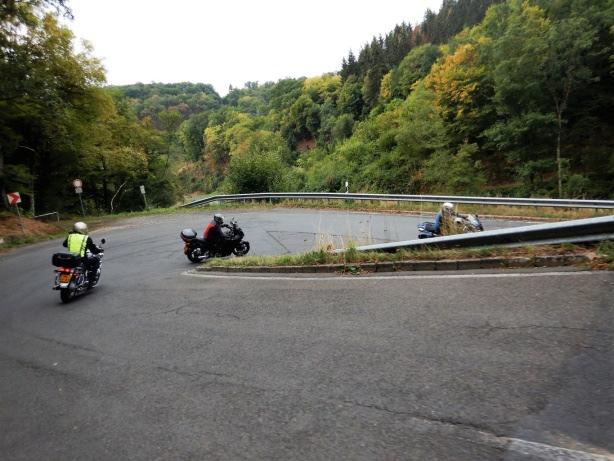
(413, 265)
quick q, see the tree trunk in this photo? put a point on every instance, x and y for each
(105, 194)
(558, 156)
(32, 207)
(3, 191)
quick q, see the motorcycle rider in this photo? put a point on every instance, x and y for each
(445, 220)
(78, 242)
(213, 232)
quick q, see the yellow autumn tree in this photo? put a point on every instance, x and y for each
(385, 89)
(459, 84)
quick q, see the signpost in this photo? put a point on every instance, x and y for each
(144, 198)
(347, 187)
(78, 185)
(14, 199)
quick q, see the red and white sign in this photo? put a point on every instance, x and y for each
(14, 198)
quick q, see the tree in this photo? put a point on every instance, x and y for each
(350, 98)
(414, 66)
(455, 173)
(537, 62)
(49, 96)
(255, 172)
(568, 43)
(191, 135)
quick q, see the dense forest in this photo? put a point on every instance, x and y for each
(483, 97)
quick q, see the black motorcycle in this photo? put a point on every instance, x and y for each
(72, 277)
(463, 223)
(197, 249)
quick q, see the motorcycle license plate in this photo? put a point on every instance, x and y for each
(64, 278)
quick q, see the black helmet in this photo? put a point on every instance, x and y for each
(218, 218)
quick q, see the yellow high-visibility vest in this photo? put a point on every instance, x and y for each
(77, 244)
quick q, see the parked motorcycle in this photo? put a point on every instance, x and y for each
(72, 277)
(197, 249)
(463, 223)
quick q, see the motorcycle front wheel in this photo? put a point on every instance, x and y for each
(241, 249)
(92, 283)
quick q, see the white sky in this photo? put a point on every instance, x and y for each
(232, 41)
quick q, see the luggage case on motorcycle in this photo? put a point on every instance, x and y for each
(188, 234)
(65, 260)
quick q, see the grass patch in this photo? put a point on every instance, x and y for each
(605, 253)
(353, 257)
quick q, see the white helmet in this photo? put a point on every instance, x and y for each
(447, 206)
(80, 227)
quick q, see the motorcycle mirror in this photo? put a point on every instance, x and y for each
(103, 241)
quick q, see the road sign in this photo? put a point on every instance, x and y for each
(78, 190)
(77, 184)
(14, 198)
(142, 190)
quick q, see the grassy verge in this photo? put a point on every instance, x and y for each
(354, 257)
(35, 232)
(16, 241)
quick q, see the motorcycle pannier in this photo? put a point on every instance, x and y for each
(65, 260)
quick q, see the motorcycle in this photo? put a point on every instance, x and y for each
(464, 224)
(197, 249)
(72, 277)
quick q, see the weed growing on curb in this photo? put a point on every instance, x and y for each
(605, 251)
(351, 257)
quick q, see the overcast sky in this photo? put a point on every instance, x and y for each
(233, 41)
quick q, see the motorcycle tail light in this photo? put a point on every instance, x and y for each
(64, 269)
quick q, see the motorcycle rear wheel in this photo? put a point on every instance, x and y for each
(193, 255)
(241, 249)
(197, 255)
(67, 294)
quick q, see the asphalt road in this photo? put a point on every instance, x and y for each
(158, 364)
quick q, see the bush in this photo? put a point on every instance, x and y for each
(255, 172)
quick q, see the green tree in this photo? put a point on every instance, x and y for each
(191, 135)
(455, 173)
(255, 172)
(414, 66)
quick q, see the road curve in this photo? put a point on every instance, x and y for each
(154, 364)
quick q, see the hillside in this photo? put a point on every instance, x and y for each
(482, 97)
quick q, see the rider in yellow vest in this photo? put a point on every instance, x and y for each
(78, 242)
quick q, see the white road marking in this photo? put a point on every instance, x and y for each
(551, 453)
(393, 277)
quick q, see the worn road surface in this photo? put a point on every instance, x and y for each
(157, 364)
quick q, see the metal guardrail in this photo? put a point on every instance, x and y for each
(535, 202)
(578, 230)
(57, 215)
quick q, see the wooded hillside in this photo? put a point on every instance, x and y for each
(483, 97)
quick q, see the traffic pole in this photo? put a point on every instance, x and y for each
(142, 188)
(78, 185)
(23, 231)
(81, 202)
